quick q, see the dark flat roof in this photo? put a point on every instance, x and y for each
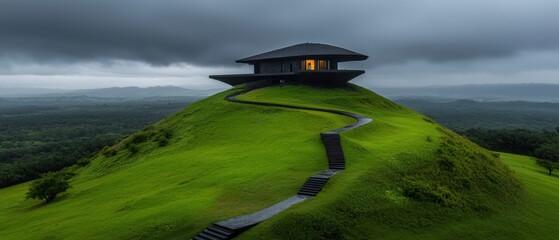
(307, 50)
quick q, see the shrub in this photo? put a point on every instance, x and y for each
(446, 164)
(108, 152)
(132, 148)
(163, 137)
(83, 162)
(421, 190)
(140, 137)
(163, 141)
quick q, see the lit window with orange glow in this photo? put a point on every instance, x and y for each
(309, 65)
(322, 65)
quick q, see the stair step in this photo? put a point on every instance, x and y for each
(314, 184)
(306, 193)
(215, 234)
(221, 230)
(336, 162)
(309, 192)
(207, 237)
(311, 188)
(317, 180)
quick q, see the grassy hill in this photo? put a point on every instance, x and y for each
(406, 177)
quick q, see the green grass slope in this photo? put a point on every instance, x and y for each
(406, 177)
(223, 159)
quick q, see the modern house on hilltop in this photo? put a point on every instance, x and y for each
(307, 63)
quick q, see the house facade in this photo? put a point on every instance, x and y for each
(307, 63)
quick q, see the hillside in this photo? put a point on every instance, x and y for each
(406, 177)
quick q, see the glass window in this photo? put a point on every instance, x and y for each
(309, 65)
(322, 64)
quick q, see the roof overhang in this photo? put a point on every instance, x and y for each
(318, 77)
(306, 50)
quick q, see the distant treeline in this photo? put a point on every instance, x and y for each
(461, 115)
(35, 138)
(518, 141)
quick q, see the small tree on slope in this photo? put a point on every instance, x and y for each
(49, 185)
(548, 156)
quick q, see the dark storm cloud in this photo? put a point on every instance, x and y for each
(213, 32)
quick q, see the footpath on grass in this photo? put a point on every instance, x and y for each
(232, 227)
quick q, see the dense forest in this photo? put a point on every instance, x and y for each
(518, 141)
(461, 115)
(544, 146)
(39, 135)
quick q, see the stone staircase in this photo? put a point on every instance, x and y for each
(313, 186)
(215, 232)
(334, 150)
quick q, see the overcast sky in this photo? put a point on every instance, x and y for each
(102, 43)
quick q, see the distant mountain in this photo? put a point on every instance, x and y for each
(28, 92)
(114, 92)
(482, 92)
(136, 92)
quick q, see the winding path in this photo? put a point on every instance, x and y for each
(232, 227)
